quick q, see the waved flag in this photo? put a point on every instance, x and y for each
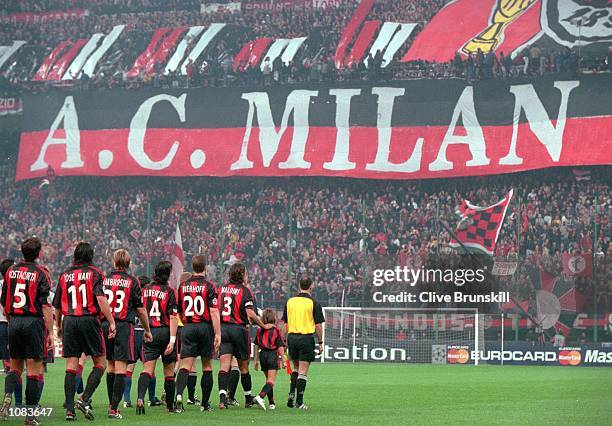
(479, 227)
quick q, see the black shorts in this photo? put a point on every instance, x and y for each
(4, 353)
(155, 349)
(269, 360)
(138, 339)
(235, 340)
(82, 335)
(121, 347)
(179, 338)
(197, 340)
(301, 347)
(26, 337)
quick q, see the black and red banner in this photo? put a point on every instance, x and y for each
(400, 130)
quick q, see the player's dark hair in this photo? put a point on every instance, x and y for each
(268, 316)
(163, 269)
(198, 263)
(30, 249)
(4, 265)
(305, 283)
(144, 280)
(83, 253)
(237, 273)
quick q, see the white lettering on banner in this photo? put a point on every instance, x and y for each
(298, 103)
(474, 138)
(364, 353)
(343, 132)
(386, 100)
(271, 130)
(595, 356)
(72, 140)
(540, 124)
(138, 128)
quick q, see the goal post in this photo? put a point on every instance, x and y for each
(413, 335)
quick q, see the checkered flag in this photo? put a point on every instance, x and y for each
(479, 227)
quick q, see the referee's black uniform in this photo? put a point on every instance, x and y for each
(301, 315)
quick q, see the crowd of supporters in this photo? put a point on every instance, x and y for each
(323, 26)
(335, 231)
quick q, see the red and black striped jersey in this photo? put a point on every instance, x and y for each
(234, 300)
(196, 297)
(77, 290)
(269, 339)
(123, 293)
(25, 289)
(160, 302)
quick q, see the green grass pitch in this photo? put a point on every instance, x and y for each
(368, 394)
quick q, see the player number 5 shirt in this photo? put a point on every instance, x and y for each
(25, 289)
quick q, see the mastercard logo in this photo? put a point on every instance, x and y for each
(569, 357)
(458, 356)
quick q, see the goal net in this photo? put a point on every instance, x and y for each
(413, 335)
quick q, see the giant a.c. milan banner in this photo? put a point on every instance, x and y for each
(397, 130)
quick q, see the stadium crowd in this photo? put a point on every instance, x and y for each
(337, 234)
(323, 26)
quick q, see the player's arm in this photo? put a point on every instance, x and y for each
(172, 313)
(98, 290)
(216, 321)
(256, 357)
(106, 311)
(214, 316)
(44, 288)
(319, 333)
(284, 331)
(319, 319)
(58, 322)
(254, 318)
(284, 328)
(57, 304)
(173, 330)
(141, 311)
(3, 296)
(144, 320)
(48, 316)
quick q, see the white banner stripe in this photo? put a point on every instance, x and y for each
(90, 65)
(396, 42)
(179, 53)
(275, 50)
(9, 51)
(79, 61)
(292, 48)
(384, 36)
(202, 44)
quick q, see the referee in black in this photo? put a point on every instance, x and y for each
(302, 319)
